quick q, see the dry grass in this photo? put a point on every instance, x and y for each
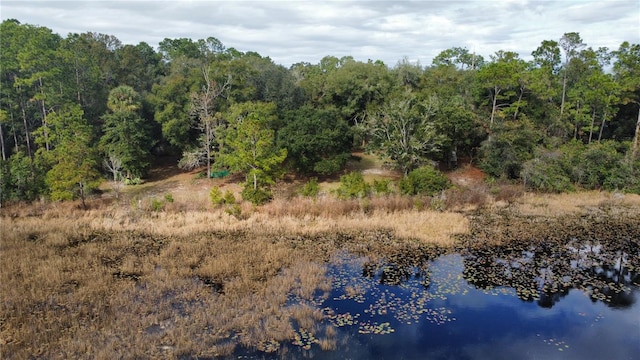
(124, 280)
(552, 205)
(69, 290)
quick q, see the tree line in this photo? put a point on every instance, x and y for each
(77, 109)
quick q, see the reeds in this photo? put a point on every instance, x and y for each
(123, 280)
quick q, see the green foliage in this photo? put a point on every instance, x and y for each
(257, 196)
(353, 186)
(229, 198)
(589, 166)
(215, 194)
(317, 140)
(249, 144)
(132, 181)
(21, 179)
(56, 90)
(126, 134)
(508, 147)
(157, 205)
(168, 198)
(425, 180)
(310, 188)
(382, 186)
(74, 173)
(404, 131)
(234, 210)
(546, 175)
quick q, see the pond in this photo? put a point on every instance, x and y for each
(536, 301)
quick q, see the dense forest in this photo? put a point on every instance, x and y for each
(79, 109)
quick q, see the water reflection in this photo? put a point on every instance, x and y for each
(524, 301)
(545, 271)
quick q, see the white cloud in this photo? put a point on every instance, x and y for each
(295, 31)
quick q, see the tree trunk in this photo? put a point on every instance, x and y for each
(208, 140)
(604, 117)
(564, 91)
(44, 118)
(82, 195)
(515, 114)
(575, 127)
(4, 154)
(495, 105)
(593, 122)
(26, 132)
(14, 133)
(634, 148)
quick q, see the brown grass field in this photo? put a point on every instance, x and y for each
(130, 279)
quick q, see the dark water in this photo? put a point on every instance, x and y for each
(577, 302)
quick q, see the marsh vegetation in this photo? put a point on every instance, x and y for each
(191, 281)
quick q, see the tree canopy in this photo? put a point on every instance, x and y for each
(68, 104)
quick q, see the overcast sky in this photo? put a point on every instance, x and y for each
(296, 31)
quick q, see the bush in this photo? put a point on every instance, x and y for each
(157, 205)
(168, 198)
(133, 181)
(425, 180)
(381, 187)
(353, 186)
(545, 175)
(235, 211)
(216, 196)
(257, 196)
(311, 188)
(229, 198)
(509, 146)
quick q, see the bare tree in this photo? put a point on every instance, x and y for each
(203, 105)
(114, 165)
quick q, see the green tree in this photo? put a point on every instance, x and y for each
(126, 134)
(627, 73)
(403, 130)
(502, 79)
(458, 57)
(317, 140)
(75, 170)
(509, 146)
(545, 88)
(250, 144)
(570, 43)
(171, 98)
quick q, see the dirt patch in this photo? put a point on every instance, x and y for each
(466, 175)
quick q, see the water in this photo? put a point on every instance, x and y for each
(575, 301)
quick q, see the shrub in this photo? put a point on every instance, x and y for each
(623, 178)
(425, 180)
(216, 196)
(133, 181)
(229, 198)
(235, 211)
(545, 174)
(598, 161)
(311, 188)
(256, 196)
(509, 146)
(157, 205)
(168, 198)
(353, 186)
(381, 187)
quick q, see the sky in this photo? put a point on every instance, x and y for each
(307, 30)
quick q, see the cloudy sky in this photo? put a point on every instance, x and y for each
(307, 30)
